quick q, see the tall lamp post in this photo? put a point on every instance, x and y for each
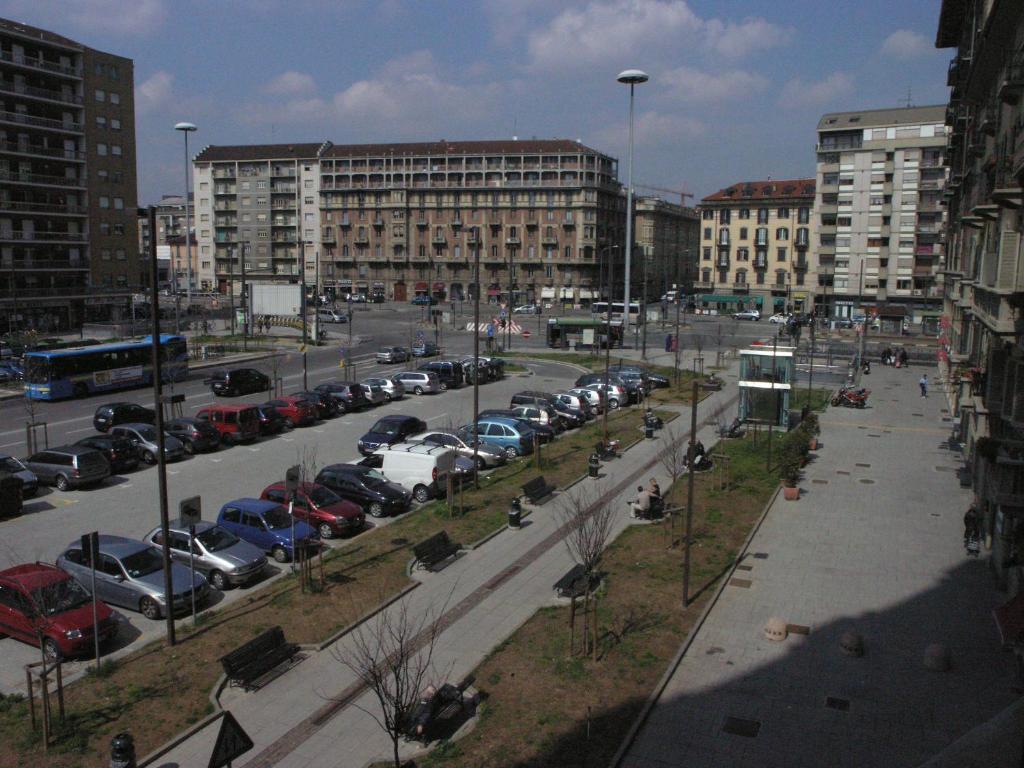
(476, 355)
(607, 250)
(187, 128)
(632, 78)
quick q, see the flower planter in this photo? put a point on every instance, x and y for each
(791, 493)
(814, 443)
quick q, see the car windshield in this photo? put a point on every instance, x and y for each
(322, 496)
(372, 477)
(374, 382)
(382, 427)
(147, 433)
(277, 518)
(11, 464)
(60, 596)
(142, 563)
(215, 539)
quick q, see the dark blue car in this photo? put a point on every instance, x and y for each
(268, 526)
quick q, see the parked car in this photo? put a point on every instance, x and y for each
(545, 432)
(296, 411)
(779, 317)
(11, 370)
(366, 487)
(388, 431)
(326, 406)
(421, 299)
(223, 558)
(195, 434)
(658, 381)
(510, 435)
(43, 606)
(29, 481)
(635, 378)
(531, 397)
(526, 309)
(268, 526)
(143, 438)
(571, 418)
(488, 370)
(419, 382)
(238, 381)
(421, 467)
(390, 355)
(331, 316)
(271, 420)
(425, 349)
(348, 394)
(320, 507)
(747, 314)
(448, 371)
(130, 573)
(235, 423)
(544, 415)
(119, 452)
(614, 394)
(573, 402)
(374, 393)
(592, 396)
(618, 388)
(69, 466)
(108, 415)
(488, 456)
(393, 390)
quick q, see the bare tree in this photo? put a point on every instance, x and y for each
(719, 339)
(275, 363)
(673, 459)
(586, 520)
(309, 465)
(392, 654)
(698, 344)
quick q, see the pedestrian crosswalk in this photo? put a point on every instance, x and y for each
(498, 330)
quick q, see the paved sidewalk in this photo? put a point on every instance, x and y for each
(486, 595)
(873, 546)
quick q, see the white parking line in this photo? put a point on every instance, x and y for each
(216, 461)
(439, 416)
(288, 439)
(172, 471)
(255, 450)
(83, 429)
(318, 431)
(122, 486)
(10, 445)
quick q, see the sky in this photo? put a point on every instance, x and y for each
(736, 86)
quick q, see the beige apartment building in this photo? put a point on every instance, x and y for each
(68, 241)
(393, 221)
(755, 248)
(668, 238)
(880, 179)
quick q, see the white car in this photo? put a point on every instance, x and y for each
(747, 314)
(526, 309)
(779, 317)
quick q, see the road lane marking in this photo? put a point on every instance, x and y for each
(439, 416)
(254, 450)
(75, 431)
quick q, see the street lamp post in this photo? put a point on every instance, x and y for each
(187, 128)
(476, 355)
(607, 250)
(632, 78)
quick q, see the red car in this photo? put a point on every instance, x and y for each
(321, 507)
(234, 423)
(297, 411)
(38, 599)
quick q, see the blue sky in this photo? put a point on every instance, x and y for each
(736, 88)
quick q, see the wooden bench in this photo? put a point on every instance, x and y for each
(573, 584)
(434, 550)
(443, 704)
(245, 665)
(537, 489)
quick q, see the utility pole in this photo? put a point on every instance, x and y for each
(775, 402)
(476, 354)
(508, 320)
(158, 407)
(245, 304)
(679, 300)
(692, 452)
(810, 371)
(231, 285)
(607, 337)
(302, 307)
(643, 305)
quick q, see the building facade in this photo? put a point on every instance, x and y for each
(878, 209)
(755, 243)
(668, 236)
(68, 231)
(983, 320)
(397, 220)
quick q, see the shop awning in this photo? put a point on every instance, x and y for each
(720, 298)
(421, 286)
(438, 286)
(547, 293)
(567, 293)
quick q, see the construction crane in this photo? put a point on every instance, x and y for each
(682, 194)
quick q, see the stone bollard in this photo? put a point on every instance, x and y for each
(775, 629)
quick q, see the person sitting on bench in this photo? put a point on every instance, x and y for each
(641, 508)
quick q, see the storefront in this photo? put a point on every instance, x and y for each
(378, 294)
(717, 303)
(457, 294)
(493, 293)
(421, 288)
(401, 292)
(439, 291)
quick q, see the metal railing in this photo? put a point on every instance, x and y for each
(42, 122)
(46, 66)
(38, 178)
(42, 93)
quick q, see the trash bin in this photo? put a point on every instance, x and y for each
(594, 465)
(515, 514)
(122, 751)
(649, 429)
(10, 495)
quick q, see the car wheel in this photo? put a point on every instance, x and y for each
(444, 387)
(835, 401)
(326, 532)
(149, 608)
(81, 390)
(289, 422)
(218, 580)
(62, 483)
(51, 651)
(388, 398)
(148, 457)
(421, 493)
(417, 390)
(511, 451)
(279, 554)
(613, 403)
(481, 465)
(189, 448)
(376, 509)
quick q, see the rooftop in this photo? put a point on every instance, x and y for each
(769, 190)
(876, 118)
(243, 152)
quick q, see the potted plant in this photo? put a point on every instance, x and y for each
(790, 473)
(812, 427)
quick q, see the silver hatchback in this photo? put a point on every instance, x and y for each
(143, 438)
(218, 554)
(374, 394)
(419, 382)
(393, 390)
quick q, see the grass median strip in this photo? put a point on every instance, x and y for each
(167, 689)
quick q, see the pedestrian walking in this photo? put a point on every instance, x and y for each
(903, 358)
(923, 383)
(972, 524)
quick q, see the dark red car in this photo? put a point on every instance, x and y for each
(40, 599)
(297, 411)
(321, 507)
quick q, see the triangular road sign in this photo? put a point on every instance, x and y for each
(232, 742)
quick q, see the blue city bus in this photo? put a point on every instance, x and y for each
(81, 371)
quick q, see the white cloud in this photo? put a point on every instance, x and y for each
(139, 17)
(798, 93)
(905, 44)
(649, 129)
(693, 85)
(153, 92)
(604, 32)
(290, 83)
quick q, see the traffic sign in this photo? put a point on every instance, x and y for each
(232, 742)
(490, 330)
(420, 336)
(526, 334)
(190, 510)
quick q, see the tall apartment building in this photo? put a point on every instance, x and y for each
(668, 237)
(880, 177)
(754, 247)
(397, 220)
(983, 323)
(170, 221)
(68, 239)
(170, 232)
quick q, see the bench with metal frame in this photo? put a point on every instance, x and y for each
(434, 550)
(538, 489)
(445, 703)
(250, 665)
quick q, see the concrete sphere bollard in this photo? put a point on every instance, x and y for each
(852, 644)
(936, 657)
(775, 629)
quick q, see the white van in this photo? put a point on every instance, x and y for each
(421, 467)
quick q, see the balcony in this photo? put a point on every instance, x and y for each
(721, 263)
(801, 265)
(741, 286)
(18, 235)
(224, 173)
(549, 240)
(224, 189)
(47, 94)
(989, 122)
(421, 222)
(18, 177)
(378, 221)
(362, 239)
(51, 209)
(1007, 191)
(20, 118)
(283, 237)
(439, 239)
(703, 285)
(456, 223)
(760, 263)
(31, 149)
(42, 65)
(1012, 83)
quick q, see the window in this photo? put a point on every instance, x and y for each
(706, 255)
(782, 233)
(724, 216)
(101, 122)
(101, 150)
(120, 254)
(744, 234)
(115, 150)
(743, 254)
(783, 213)
(803, 216)
(119, 203)
(104, 227)
(762, 215)
(115, 98)
(744, 213)
(101, 95)
(105, 254)
(104, 201)
(707, 233)
(780, 254)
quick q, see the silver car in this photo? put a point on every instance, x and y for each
(392, 355)
(143, 439)
(593, 397)
(374, 394)
(218, 554)
(130, 573)
(419, 382)
(488, 456)
(393, 390)
(29, 482)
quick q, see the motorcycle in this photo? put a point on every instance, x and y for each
(851, 397)
(972, 545)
